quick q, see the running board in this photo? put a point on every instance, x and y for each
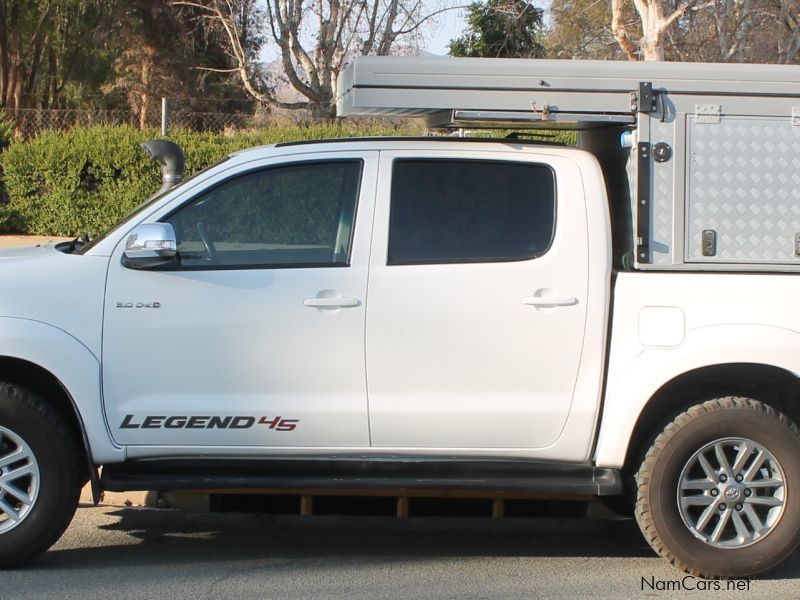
(517, 476)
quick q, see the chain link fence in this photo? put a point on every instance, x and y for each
(31, 121)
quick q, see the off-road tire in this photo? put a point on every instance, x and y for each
(61, 473)
(658, 477)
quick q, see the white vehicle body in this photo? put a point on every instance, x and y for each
(243, 339)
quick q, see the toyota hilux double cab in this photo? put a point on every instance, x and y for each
(492, 316)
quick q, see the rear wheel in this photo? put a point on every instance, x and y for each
(40, 475)
(719, 490)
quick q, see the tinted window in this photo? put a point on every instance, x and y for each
(295, 215)
(459, 210)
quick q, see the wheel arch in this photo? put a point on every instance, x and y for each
(772, 385)
(36, 378)
(50, 360)
(648, 385)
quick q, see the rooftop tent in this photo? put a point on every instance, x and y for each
(464, 91)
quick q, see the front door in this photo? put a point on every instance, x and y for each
(477, 299)
(256, 337)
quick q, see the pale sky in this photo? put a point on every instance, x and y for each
(449, 27)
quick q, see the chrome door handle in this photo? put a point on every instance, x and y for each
(332, 302)
(549, 301)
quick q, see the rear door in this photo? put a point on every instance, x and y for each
(477, 299)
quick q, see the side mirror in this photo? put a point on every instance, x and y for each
(150, 245)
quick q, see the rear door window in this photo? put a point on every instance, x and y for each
(446, 211)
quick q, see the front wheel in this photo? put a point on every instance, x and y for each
(40, 475)
(719, 489)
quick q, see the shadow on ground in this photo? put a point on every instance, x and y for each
(174, 538)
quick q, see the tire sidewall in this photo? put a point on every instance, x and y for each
(662, 493)
(58, 491)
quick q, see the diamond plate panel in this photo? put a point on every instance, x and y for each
(743, 181)
(663, 195)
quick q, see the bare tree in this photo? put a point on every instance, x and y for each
(657, 16)
(728, 31)
(709, 30)
(789, 41)
(732, 20)
(314, 39)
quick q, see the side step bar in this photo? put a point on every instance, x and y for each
(517, 476)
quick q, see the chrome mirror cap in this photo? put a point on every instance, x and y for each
(150, 245)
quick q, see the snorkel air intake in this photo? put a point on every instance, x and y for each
(170, 157)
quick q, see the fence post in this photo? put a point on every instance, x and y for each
(164, 117)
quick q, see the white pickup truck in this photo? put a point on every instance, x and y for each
(425, 316)
(400, 315)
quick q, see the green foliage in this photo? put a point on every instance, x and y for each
(55, 52)
(7, 126)
(501, 29)
(581, 29)
(87, 179)
(118, 54)
(567, 137)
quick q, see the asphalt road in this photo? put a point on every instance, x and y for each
(119, 553)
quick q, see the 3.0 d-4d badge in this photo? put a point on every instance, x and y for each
(138, 305)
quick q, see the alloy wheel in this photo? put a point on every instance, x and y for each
(19, 480)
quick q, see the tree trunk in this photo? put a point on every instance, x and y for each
(145, 92)
(17, 95)
(143, 109)
(3, 53)
(656, 21)
(652, 49)
(620, 30)
(8, 95)
(653, 30)
(322, 111)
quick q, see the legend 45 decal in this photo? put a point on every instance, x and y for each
(208, 422)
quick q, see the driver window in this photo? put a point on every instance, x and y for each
(298, 215)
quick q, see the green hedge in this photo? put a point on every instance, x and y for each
(86, 179)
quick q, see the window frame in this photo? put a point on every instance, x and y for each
(177, 266)
(455, 261)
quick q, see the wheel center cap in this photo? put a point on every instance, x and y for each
(733, 493)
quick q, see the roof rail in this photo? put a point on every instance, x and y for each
(513, 138)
